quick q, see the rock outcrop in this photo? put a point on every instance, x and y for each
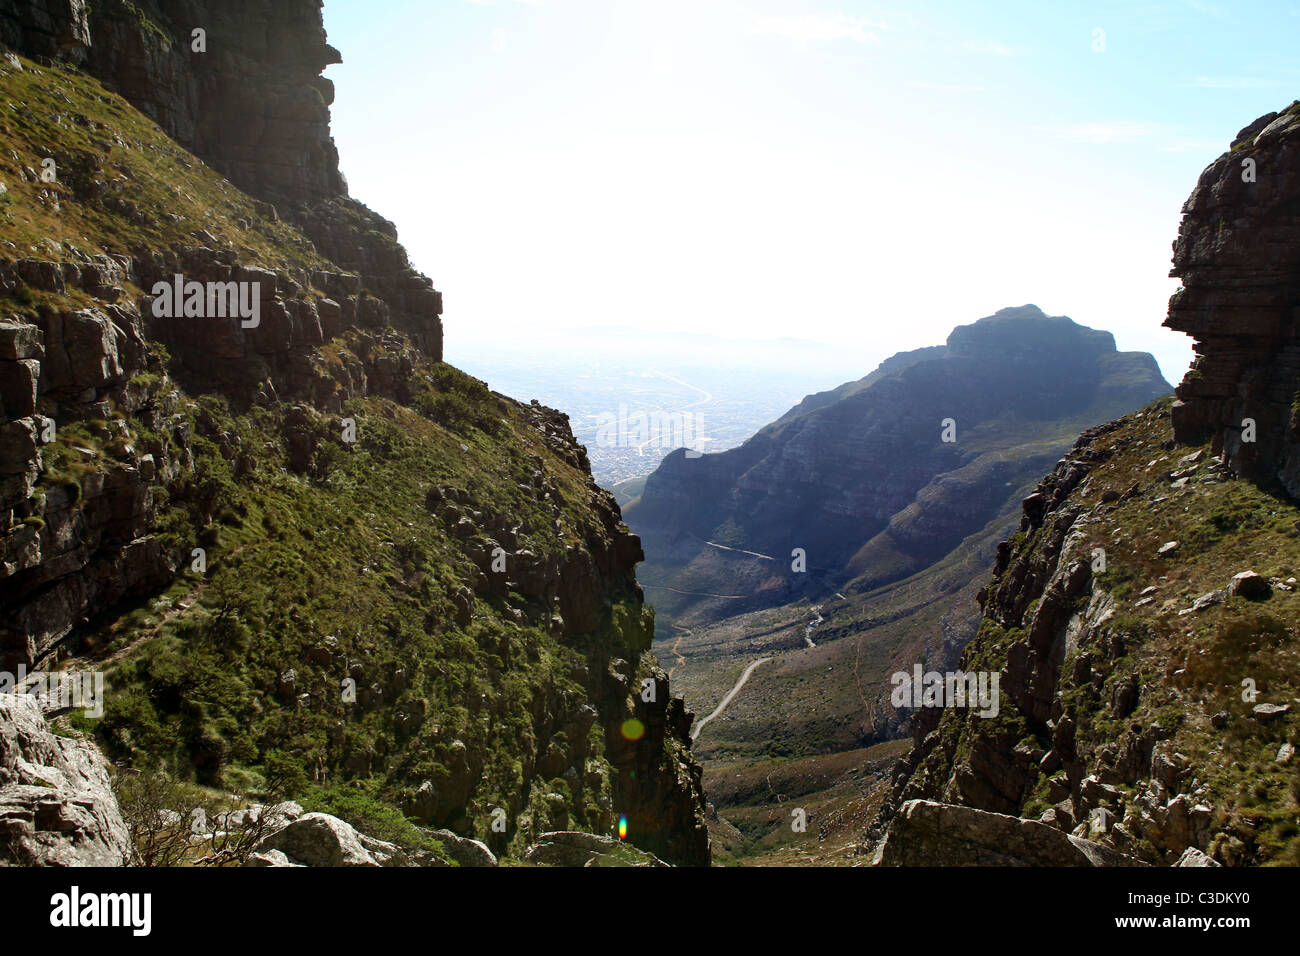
(70, 553)
(925, 833)
(252, 104)
(570, 848)
(56, 803)
(1107, 685)
(869, 480)
(1238, 256)
(122, 461)
(1053, 633)
(318, 839)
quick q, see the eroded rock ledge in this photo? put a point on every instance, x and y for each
(56, 804)
(1238, 255)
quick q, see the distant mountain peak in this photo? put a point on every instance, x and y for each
(1028, 327)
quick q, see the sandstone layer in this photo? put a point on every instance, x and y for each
(1238, 256)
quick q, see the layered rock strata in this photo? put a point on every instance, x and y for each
(1238, 256)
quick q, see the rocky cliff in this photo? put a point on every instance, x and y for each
(1238, 256)
(313, 559)
(868, 480)
(1144, 617)
(56, 804)
(252, 104)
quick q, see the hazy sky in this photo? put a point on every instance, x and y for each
(862, 173)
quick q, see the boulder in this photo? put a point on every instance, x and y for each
(318, 839)
(1268, 712)
(57, 806)
(926, 833)
(1194, 857)
(575, 848)
(270, 858)
(465, 851)
(1248, 584)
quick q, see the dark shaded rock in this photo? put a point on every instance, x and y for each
(1238, 256)
(572, 848)
(925, 833)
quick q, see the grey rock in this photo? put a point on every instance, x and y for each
(926, 833)
(574, 848)
(1194, 857)
(1207, 600)
(270, 858)
(57, 806)
(1268, 712)
(1248, 584)
(318, 839)
(465, 851)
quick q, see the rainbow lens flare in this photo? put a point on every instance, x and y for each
(633, 729)
(622, 828)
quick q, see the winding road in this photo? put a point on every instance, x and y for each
(730, 694)
(677, 643)
(664, 587)
(808, 628)
(723, 547)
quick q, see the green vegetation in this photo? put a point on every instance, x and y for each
(121, 184)
(311, 582)
(1193, 672)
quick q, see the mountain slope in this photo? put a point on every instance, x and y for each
(1151, 704)
(313, 559)
(865, 480)
(899, 528)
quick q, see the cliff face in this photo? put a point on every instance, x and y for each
(309, 554)
(1238, 255)
(865, 481)
(253, 106)
(56, 805)
(1144, 618)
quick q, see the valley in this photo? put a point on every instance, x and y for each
(641, 556)
(880, 595)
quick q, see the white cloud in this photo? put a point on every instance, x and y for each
(812, 28)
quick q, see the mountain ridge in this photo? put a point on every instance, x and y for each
(313, 560)
(1148, 699)
(894, 414)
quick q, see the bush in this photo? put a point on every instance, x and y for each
(371, 816)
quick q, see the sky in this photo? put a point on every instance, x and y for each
(864, 174)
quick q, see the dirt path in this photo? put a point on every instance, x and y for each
(664, 587)
(730, 694)
(723, 547)
(677, 643)
(76, 662)
(808, 628)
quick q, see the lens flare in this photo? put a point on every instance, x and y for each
(622, 828)
(633, 729)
